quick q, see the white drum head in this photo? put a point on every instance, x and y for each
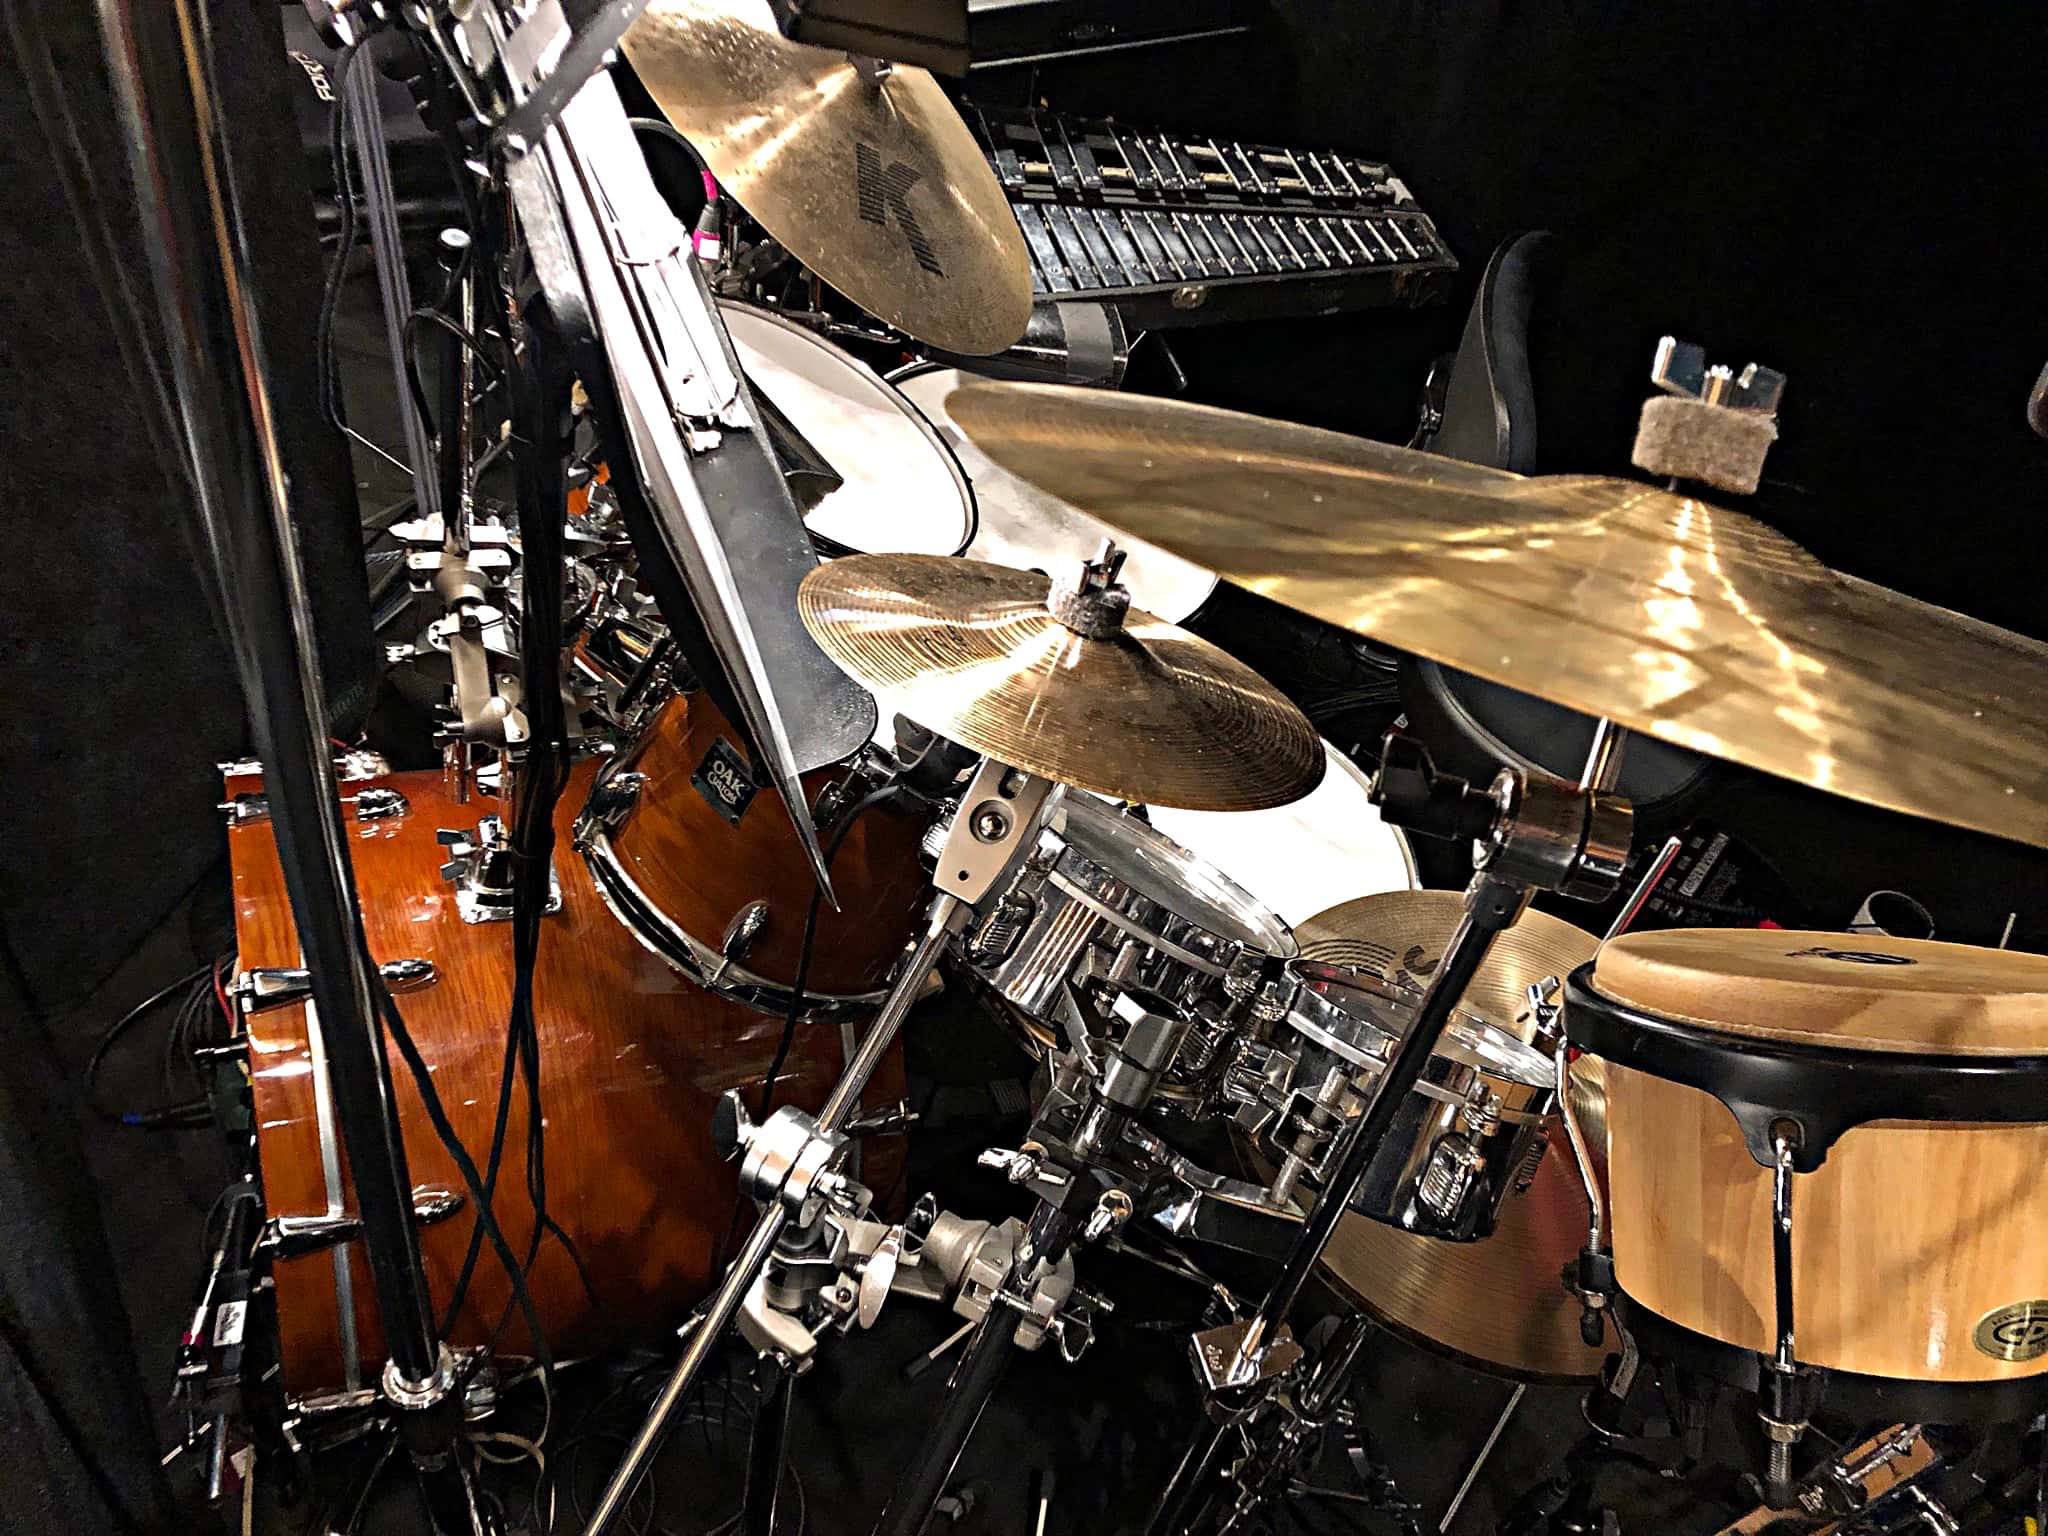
(904, 492)
(1303, 858)
(1023, 527)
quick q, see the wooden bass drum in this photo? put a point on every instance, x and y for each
(632, 1055)
(706, 871)
(1913, 1079)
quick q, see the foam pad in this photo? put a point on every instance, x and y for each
(1721, 447)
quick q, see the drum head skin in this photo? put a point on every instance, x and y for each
(1024, 527)
(1302, 858)
(903, 490)
(1853, 991)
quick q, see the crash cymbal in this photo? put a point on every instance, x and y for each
(1497, 1304)
(1679, 619)
(867, 174)
(1149, 713)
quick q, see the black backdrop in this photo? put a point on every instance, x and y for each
(1852, 194)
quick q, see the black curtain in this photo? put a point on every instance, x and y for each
(119, 696)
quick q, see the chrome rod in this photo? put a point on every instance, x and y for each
(718, 1313)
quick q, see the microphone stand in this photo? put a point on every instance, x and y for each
(159, 56)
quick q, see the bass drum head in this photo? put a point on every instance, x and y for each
(1304, 858)
(1021, 526)
(903, 491)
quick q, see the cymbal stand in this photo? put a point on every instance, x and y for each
(795, 1158)
(1530, 831)
(160, 59)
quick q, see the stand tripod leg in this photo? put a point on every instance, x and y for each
(767, 1454)
(1491, 905)
(974, 1379)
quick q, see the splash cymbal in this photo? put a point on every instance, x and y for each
(866, 173)
(1497, 1304)
(1681, 620)
(1149, 713)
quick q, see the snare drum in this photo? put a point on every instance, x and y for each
(901, 489)
(1106, 899)
(1471, 1130)
(1911, 1082)
(633, 1058)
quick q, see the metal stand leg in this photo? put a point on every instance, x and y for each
(975, 1378)
(1491, 906)
(767, 1454)
(159, 57)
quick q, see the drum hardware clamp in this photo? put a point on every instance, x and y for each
(372, 803)
(480, 868)
(264, 987)
(1529, 830)
(1000, 813)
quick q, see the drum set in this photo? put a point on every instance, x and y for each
(1800, 1165)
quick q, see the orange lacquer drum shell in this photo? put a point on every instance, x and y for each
(633, 1057)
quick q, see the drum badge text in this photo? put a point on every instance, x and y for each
(724, 779)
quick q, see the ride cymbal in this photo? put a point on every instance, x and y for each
(1665, 614)
(865, 172)
(1498, 1304)
(1148, 713)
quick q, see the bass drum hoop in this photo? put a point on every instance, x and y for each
(697, 962)
(885, 384)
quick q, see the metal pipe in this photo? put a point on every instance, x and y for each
(160, 60)
(1491, 905)
(387, 245)
(975, 1378)
(767, 1457)
(724, 1304)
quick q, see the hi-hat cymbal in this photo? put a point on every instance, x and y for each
(1150, 713)
(866, 174)
(1498, 1304)
(1689, 623)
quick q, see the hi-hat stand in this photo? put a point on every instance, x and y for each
(160, 57)
(1530, 831)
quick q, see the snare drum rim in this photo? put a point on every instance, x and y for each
(1824, 1090)
(1096, 833)
(1468, 1038)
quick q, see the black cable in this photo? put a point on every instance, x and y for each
(542, 776)
(803, 962)
(487, 1219)
(184, 1115)
(344, 243)
(796, 997)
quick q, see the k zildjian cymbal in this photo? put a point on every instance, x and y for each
(1498, 1304)
(1150, 713)
(1689, 623)
(867, 174)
